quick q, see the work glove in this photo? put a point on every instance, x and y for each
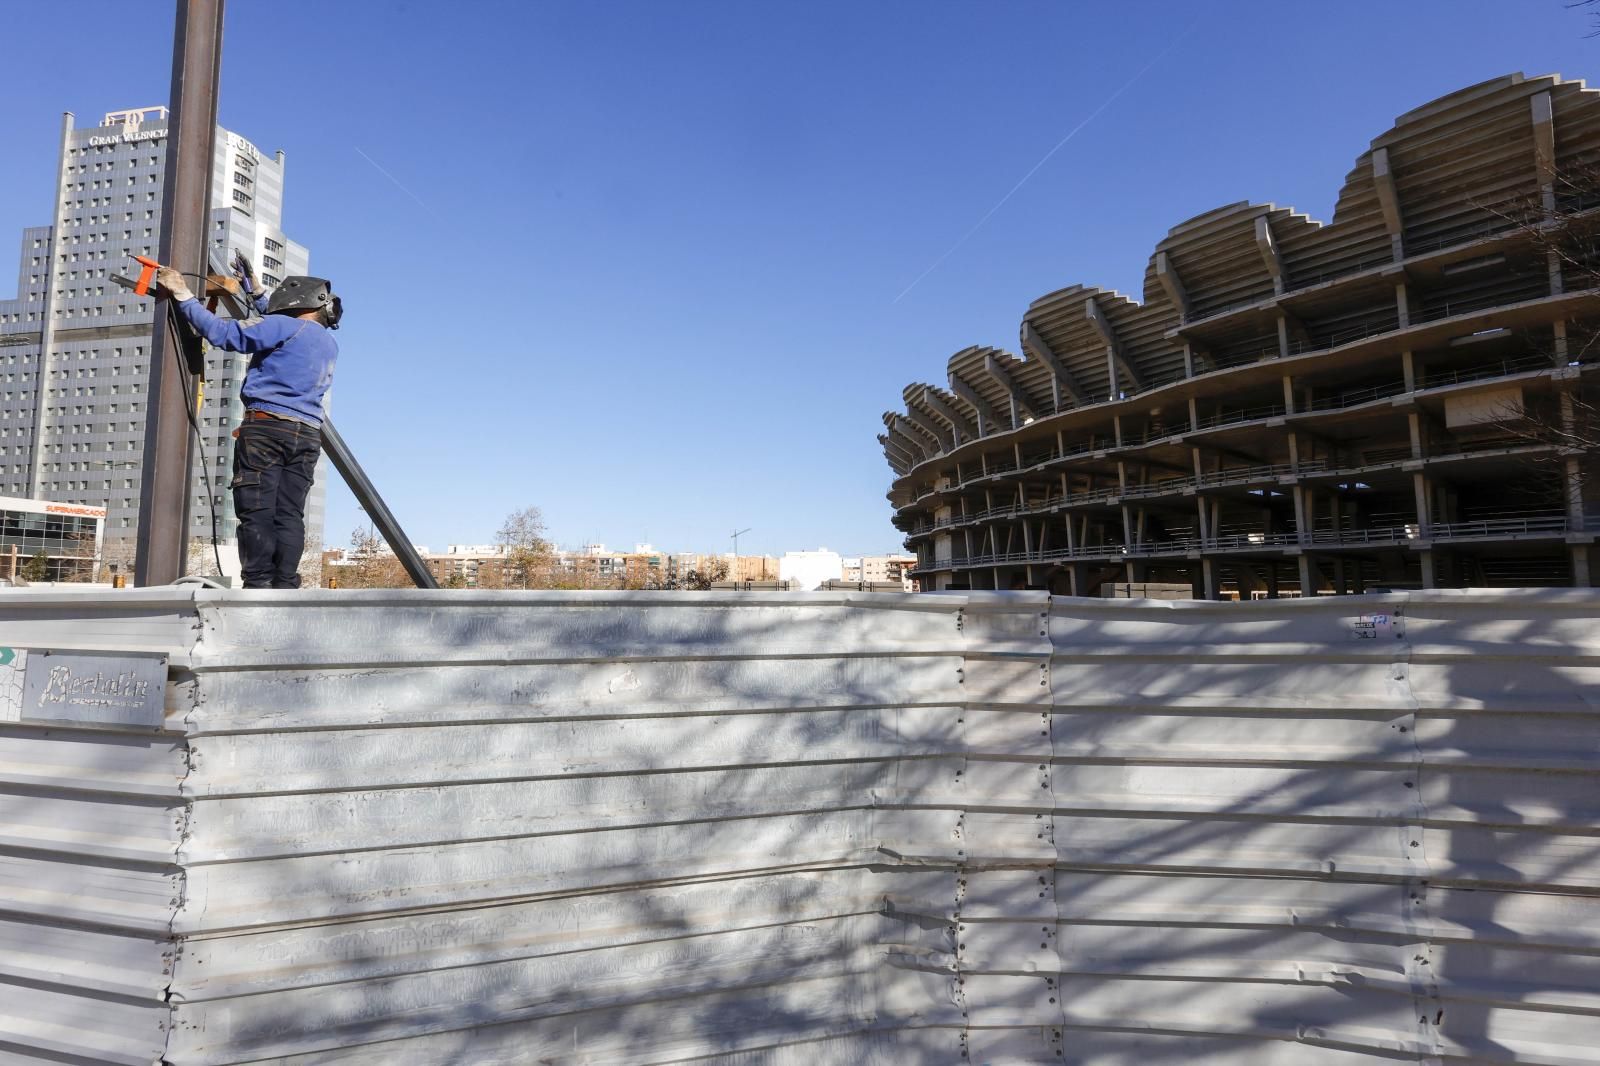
(172, 283)
(245, 271)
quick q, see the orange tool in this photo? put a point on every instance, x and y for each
(148, 271)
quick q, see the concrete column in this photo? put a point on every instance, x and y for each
(1205, 523)
(1208, 577)
(1572, 476)
(1288, 394)
(1414, 421)
(1427, 569)
(1283, 337)
(1116, 429)
(1308, 585)
(1249, 580)
(1581, 577)
(1402, 304)
(1194, 415)
(1421, 489)
(1542, 113)
(1408, 367)
(1302, 527)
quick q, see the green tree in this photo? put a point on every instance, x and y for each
(37, 568)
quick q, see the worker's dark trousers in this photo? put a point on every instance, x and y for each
(274, 461)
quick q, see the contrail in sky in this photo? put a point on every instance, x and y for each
(394, 179)
(1062, 143)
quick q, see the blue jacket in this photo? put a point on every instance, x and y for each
(291, 364)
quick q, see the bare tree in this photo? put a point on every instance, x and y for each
(371, 564)
(1595, 18)
(702, 579)
(528, 559)
(1561, 225)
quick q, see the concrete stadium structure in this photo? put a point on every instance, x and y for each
(1295, 407)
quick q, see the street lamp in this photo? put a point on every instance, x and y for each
(736, 535)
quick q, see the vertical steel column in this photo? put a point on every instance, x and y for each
(185, 208)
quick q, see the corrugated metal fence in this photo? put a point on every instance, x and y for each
(831, 828)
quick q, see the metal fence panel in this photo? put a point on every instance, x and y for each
(837, 828)
(90, 823)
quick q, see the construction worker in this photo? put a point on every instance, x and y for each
(292, 353)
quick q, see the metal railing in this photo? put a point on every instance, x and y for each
(1228, 309)
(1243, 414)
(1366, 262)
(1351, 333)
(1503, 368)
(1467, 235)
(1356, 397)
(1547, 525)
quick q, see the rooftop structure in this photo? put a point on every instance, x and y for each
(1293, 407)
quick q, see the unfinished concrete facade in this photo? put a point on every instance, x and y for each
(1294, 407)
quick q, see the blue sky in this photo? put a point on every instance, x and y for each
(637, 264)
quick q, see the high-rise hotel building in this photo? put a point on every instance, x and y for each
(75, 346)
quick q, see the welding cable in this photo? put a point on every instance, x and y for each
(179, 324)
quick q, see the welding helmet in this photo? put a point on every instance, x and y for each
(298, 294)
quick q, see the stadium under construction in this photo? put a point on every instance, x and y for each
(1386, 401)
